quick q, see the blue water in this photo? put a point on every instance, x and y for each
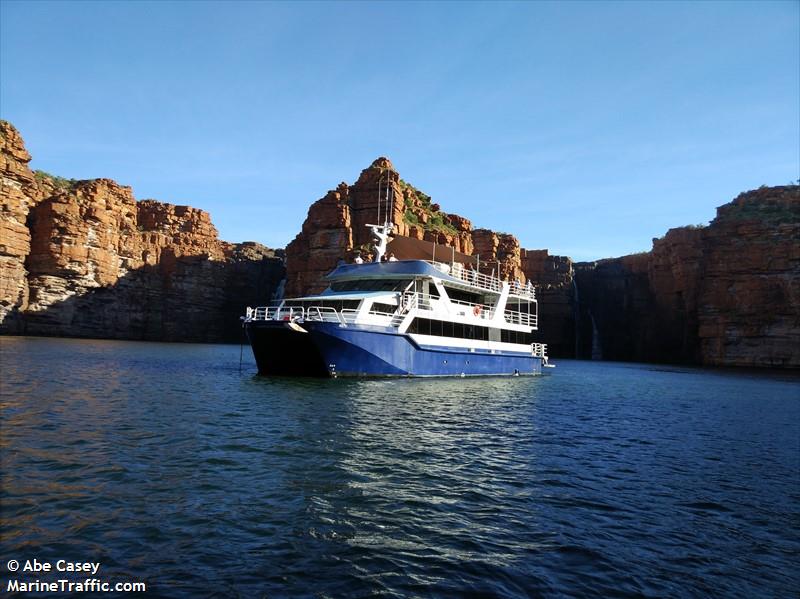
(168, 465)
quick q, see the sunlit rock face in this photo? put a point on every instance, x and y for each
(18, 193)
(336, 229)
(725, 295)
(84, 258)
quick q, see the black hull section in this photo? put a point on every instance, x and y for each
(280, 350)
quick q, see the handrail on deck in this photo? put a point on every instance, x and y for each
(481, 280)
(409, 302)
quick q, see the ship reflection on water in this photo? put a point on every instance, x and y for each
(168, 465)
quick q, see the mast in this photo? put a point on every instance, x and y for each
(388, 181)
(381, 232)
(380, 180)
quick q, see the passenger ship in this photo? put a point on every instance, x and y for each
(418, 317)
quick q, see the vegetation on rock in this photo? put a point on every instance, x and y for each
(54, 180)
(418, 202)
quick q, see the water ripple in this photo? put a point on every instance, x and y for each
(168, 465)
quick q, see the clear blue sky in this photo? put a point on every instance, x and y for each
(584, 128)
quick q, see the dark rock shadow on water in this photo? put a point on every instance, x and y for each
(168, 465)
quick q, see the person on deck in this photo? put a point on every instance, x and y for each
(392, 258)
(358, 259)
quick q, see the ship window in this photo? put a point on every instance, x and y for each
(383, 308)
(507, 336)
(436, 328)
(447, 329)
(371, 285)
(433, 291)
(463, 296)
(439, 328)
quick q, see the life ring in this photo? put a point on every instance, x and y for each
(476, 310)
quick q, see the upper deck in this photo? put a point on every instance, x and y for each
(455, 274)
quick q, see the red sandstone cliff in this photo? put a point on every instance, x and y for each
(336, 228)
(725, 295)
(18, 193)
(84, 258)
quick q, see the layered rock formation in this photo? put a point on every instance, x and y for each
(336, 228)
(727, 294)
(84, 258)
(18, 193)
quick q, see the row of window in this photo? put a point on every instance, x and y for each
(457, 330)
(507, 336)
(464, 296)
(384, 308)
(371, 285)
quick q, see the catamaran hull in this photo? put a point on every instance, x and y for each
(329, 349)
(280, 350)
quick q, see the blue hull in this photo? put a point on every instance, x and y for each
(332, 350)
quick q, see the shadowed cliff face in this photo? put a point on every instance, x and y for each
(85, 259)
(727, 294)
(195, 299)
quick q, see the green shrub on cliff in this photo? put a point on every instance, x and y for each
(410, 218)
(437, 220)
(55, 181)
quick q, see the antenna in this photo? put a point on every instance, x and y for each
(387, 197)
(380, 180)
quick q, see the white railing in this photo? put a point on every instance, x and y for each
(302, 313)
(526, 291)
(472, 277)
(523, 318)
(409, 302)
(322, 314)
(480, 280)
(539, 350)
(478, 310)
(348, 315)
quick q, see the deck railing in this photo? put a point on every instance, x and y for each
(481, 280)
(523, 318)
(539, 350)
(409, 302)
(472, 277)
